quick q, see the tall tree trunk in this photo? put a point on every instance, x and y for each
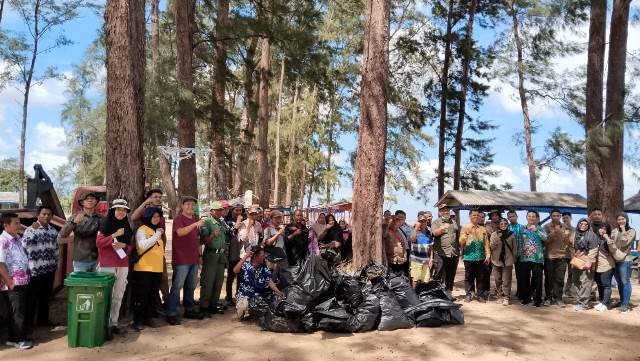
(594, 100)
(125, 39)
(25, 100)
(464, 84)
(327, 183)
(168, 183)
(612, 165)
(263, 177)
(444, 97)
(368, 189)
(218, 111)
(155, 36)
(248, 120)
(187, 176)
(276, 172)
(1, 10)
(292, 148)
(312, 181)
(531, 162)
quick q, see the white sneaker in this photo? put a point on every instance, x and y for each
(600, 307)
(11, 343)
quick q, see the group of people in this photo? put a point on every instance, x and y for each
(543, 256)
(252, 243)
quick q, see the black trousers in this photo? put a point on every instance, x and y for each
(554, 273)
(532, 282)
(474, 273)
(39, 297)
(18, 313)
(231, 276)
(520, 277)
(145, 287)
(486, 282)
(445, 270)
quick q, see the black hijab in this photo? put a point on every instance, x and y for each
(504, 235)
(148, 214)
(111, 224)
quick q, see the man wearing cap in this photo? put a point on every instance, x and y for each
(84, 225)
(214, 258)
(446, 248)
(185, 250)
(274, 241)
(250, 230)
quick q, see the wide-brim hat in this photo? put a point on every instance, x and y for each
(120, 203)
(254, 209)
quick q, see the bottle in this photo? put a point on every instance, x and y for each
(121, 253)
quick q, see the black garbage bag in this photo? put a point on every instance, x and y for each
(348, 290)
(392, 317)
(399, 284)
(308, 323)
(296, 304)
(367, 315)
(440, 316)
(415, 312)
(274, 323)
(312, 276)
(433, 290)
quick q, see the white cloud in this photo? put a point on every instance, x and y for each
(49, 139)
(48, 160)
(49, 94)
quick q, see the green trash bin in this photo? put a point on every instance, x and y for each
(88, 304)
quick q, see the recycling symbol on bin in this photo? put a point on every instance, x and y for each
(84, 303)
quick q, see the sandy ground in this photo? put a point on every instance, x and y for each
(491, 332)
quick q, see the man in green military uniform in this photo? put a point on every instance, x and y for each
(214, 258)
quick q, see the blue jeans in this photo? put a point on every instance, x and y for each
(79, 266)
(185, 278)
(623, 278)
(603, 280)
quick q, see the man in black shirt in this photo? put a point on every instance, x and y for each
(296, 239)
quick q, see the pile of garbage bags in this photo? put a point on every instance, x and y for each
(320, 298)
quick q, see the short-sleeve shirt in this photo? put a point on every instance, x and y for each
(254, 281)
(270, 232)
(185, 250)
(14, 257)
(446, 244)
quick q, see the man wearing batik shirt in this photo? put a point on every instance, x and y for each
(254, 279)
(40, 242)
(14, 278)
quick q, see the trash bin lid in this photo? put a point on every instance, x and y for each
(90, 279)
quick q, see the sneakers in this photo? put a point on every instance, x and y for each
(547, 303)
(21, 345)
(625, 309)
(579, 308)
(505, 302)
(560, 304)
(601, 307)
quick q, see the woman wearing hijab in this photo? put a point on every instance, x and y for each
(605, 267)
(315, 229)
(147, 269)
(346, 250)
(585, 250)
(623, 235)
(114, 242)
(330, 239)
(503, 247)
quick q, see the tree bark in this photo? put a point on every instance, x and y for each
(464, 84)
(612, 164)
(594, 100)
(248, 119)
(444, 97)
(218, 111)
(276, 172)
(263, 176)
(368, 190)
(168, 183)
(125, 40)
(292, 148)
(1, 10)
(531, 162)
(155, 36)
(187, 176)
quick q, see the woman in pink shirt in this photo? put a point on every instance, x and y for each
(114, 244)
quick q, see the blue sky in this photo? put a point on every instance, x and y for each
(45, 135)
